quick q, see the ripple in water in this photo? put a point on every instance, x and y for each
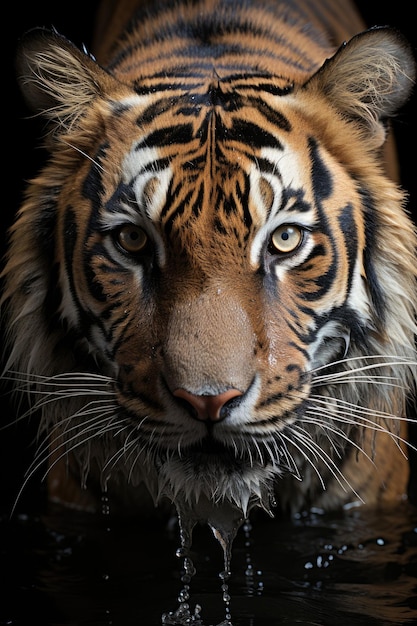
(356, 567)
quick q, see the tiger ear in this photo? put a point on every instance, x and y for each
(58, 81)
(369, 78)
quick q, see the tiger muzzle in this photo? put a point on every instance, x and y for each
(209, 355)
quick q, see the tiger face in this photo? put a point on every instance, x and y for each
(215, 278)
(215, 358)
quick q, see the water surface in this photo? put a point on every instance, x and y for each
(358, 567)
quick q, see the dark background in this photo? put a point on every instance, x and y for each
(21, 158)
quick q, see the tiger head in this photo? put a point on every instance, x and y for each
(210, 290)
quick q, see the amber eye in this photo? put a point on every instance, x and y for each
(286, 238)
(132, 239)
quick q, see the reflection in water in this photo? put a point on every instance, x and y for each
(354, 568)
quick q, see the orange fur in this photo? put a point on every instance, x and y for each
(218, 219)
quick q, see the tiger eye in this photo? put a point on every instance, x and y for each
(286, 238)
(132, 239)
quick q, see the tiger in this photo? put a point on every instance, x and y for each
(210, 286)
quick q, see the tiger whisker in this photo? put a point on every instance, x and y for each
(115, 458)
(39, 462)
(62, 380)
(249, 452)
(63, 424)
(273, 457)
(91, 408)
(395, 360)
(306, 457)
(290, 461)
(76, 441)
(135, 459)
(304, 439)
(357, 415)
(375, 381)
(179, 443)
(70, 443)
(260, 455)
(339, 433)
(236, 449)
(45, 402)
(338, 403)
(397, 439)
(81, 414)
(87, 156)
(98, 428)
(49, 397)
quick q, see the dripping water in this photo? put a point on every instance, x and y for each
(224, 520)
(183, 614)
(355, 567)
(250, 573)
(105, 512)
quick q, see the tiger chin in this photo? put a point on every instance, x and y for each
(210, 287)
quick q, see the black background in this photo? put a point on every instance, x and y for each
(21, 155)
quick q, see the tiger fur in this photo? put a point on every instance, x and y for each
(210, 286)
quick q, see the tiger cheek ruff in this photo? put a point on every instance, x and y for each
(210, 286)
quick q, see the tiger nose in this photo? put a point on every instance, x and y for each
(208, 408)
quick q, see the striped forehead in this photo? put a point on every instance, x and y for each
(281, 174)
(148, 183)
(281, 168)
(284, 170)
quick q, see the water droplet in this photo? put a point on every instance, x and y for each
(226, 596)
(184, 595)
(224, 519)
(105, 506)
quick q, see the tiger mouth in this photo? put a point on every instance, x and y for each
(211, 454)
(213, 472)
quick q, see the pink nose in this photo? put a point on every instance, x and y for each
(208, 407)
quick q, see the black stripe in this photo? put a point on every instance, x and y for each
(254, 135)
(350, 235)
(321, 176)
(168, 136)
(271, 115)
(372, 226)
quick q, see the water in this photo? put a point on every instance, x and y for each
(355, 568)
(225, 521)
